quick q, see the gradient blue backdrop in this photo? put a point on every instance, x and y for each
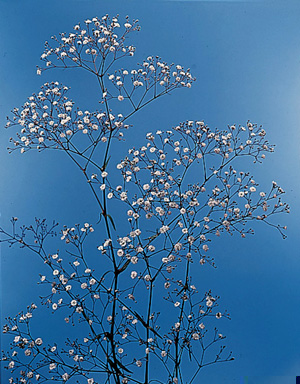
(246, 58)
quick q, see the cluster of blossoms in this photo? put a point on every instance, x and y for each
(49, 120)
(177, 191)
(223, 199)
(90, 45)
(151, 74)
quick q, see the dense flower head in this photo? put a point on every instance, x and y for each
(211, 205)
(152, 74)
(50, 120)
(89, 45)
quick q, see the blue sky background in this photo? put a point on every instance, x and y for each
(246, 58)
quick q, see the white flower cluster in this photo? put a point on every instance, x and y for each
(48, 120)
(87, 45)
(150, 73)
